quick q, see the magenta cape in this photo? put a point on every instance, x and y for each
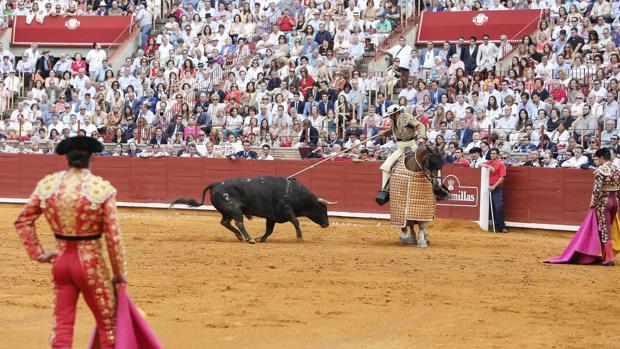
(132, 331)
(585, 246)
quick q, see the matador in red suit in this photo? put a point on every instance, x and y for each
(81, 210)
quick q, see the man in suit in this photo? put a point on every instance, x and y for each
(470, 55)
(457, 49)
(45, 64)
(382, 104)
(324, 88)
(309, 135)
(333, 139)
(176, 127)
(129, 126)
(292, 79)
(296, 107)
(203, 101)
(132, 103)
(159, 137)
(371, 130)
(246, 153)
(427, 56)
(308, 105)
(435, 7)
(325, 104)
(487, 55)
(464, 133)
(436, 92)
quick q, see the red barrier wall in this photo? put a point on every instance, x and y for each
(442, 26)
(71, 31)
(532, 195)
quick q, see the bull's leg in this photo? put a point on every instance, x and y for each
(297, 228)
(422, 235)
(239, 223)
(226, 223)
(270, 225)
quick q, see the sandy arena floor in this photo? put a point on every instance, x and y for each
(351, 285)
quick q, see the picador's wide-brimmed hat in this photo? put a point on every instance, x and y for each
(394, 109)
(81, 143)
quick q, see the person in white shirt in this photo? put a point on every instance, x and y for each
(601, 8)
(610, 108)
(544, 67)
(353, 141)
(460, 106)
(79, 81)
(63, 64)
(508, 122)
(475, 143)
(33, 53)
(127, 79)
(56, 124)
(192, 152)
(147, 114)
(402, 51)
(7, 53)
(88, 126)
(266, 153)
(409, 93)
(95, 58)
(356, 50)
(23, 110)
(476, 157)
(145, 20)
(164, 48)
(608, 133)
(577, 160)
(487, 54)
(598, 91)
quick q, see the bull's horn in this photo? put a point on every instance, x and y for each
(327, 202)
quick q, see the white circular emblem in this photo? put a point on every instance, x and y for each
(72, 23)
(480, 19)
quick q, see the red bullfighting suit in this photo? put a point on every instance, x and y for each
(81, 210)
(605, 201)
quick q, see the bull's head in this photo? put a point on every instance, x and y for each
(319, 213)
(435, 163)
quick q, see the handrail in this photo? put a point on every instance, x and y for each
(116, 40)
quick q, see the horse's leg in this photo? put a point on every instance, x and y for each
(412, 236)
(422, 235)
(403, 234)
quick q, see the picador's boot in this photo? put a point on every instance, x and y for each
(383, 196)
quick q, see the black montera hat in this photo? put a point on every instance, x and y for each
(82, 143)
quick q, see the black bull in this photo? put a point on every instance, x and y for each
(277, 199)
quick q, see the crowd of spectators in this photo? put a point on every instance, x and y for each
(216, 78)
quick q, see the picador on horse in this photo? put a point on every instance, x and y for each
(411, 180)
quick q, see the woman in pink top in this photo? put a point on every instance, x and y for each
(191, 128)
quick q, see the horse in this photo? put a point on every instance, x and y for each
(425, 163)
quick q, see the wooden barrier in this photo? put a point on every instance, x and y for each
(532, 195)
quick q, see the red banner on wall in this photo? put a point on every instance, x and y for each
(79, 31)
(532, 195)
(442, 26)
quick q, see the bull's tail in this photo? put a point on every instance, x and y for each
(192, 202)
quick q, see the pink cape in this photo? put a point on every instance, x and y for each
(585, 246)
(132, 331)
